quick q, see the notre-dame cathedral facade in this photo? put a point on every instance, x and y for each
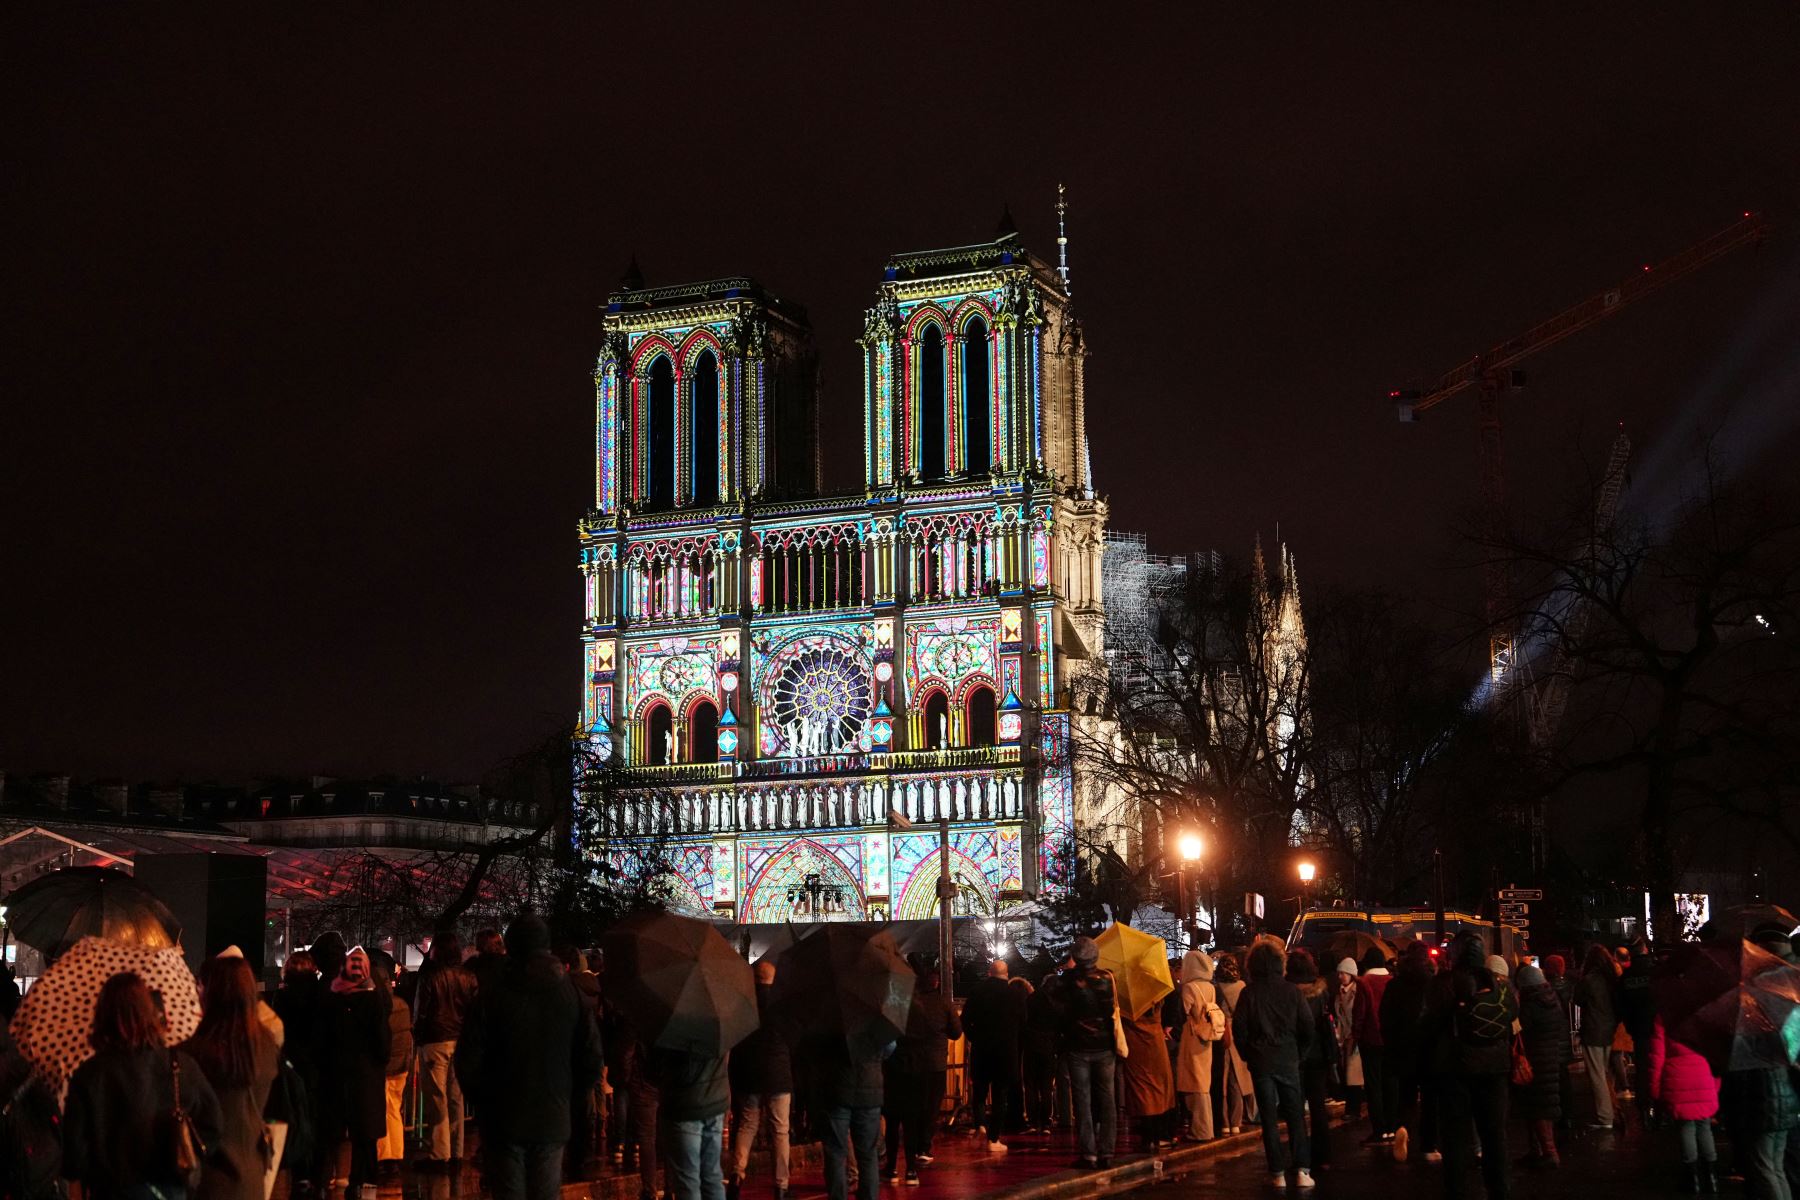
(781, 674)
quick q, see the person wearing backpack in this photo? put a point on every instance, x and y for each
(1203, 1025)
(1274, 1029)
(1470, 1019)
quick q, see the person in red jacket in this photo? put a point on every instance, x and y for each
(1684, 1084)
(1379, 1084)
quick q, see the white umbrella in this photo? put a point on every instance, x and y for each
(53, 1022)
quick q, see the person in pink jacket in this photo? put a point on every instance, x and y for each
(1684, 1084)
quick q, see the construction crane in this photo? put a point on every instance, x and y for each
(1495, 372)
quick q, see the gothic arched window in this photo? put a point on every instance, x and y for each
(703, 733)
(933, 418)
(976, 397)
(659, 444)
(983, 727)
(659, 731)
(937, 722)
(703, 426)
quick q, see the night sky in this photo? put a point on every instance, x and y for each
(300, 308)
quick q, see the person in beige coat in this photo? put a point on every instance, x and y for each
(1193, 1055)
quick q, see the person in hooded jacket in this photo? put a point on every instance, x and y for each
(353, 1077)
(1470, 1013)
(1544, 1029)
(1274, 1028)
(1315, 1064)
(1084, 998)
(913, 1077)
(300, 1003)
(1378, 1081)
(1236, 1093)
(1194, 1053)
(526, 1048)
(762, 1090)
(1761, 1106)
(1402, 1017)
(1684, 1084)
(1041, 1048)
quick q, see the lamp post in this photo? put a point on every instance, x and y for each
(1191, 847)
(1308, 871)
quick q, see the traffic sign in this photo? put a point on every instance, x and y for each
(1514, 913)
(1521, 893)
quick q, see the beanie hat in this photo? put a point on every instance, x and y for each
(528, 935)
(1555, 967)
(1497, 966)
(1530, 976)
(1086, 952)
(1348, 967)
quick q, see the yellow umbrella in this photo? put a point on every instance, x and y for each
(1140, 967)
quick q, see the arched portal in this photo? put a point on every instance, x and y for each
(932, 415)
(804, 882)
(975, 397)
(703, 733)
(703, 429)
(659, 730)
(659, 445)
(981, 715)
(937, 722)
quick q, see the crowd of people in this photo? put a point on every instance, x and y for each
(1439, 1050)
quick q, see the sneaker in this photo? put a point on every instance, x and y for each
(1278, 1182)
(996, 1146)
(912, 1179)
(1101, 1164)
(1303, 1180)
(1400, 1144)
(925, 1160)
(893, 1176)
(1434, 1156)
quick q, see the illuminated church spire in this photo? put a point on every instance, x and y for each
(1062, 236)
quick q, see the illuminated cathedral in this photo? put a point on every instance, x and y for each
(798, 688)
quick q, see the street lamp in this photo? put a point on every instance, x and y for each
(1307, 873)
(1190, 847)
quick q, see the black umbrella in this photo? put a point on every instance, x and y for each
(682, 984)
(54, 912)
(848, 981)
(1739, 1006)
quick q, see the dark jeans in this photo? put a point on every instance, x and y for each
(646, 1103)
(1091, 1086)
(524, 1170)
(847, 1129)
(581, 1130)
(1475, 1106)
(908, 1108)
(1418, 1111)
(1040, 1073)
(1278, 1100)
(1065, 1093)
(995, 1070)
(1312, 1082)
(1382, 1088)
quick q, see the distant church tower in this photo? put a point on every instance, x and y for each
(782, 671)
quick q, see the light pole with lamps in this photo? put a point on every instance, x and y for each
(1191, 847)
(1308, 872)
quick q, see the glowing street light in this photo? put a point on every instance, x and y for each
(1191, 847)
(1307, 872)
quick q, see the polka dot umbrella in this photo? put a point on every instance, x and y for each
(52, 1024)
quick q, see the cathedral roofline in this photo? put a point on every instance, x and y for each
(731, 287)
(1004, 251)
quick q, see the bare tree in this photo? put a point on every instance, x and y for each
(1674, 634)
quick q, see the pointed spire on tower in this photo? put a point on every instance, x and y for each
(1006, 228)
(1062, 237)
(1259, 577)
(633, 279)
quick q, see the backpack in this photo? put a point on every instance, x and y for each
(1211, 1026)
(1484, 1018)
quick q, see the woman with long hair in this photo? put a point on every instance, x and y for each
(118, 1125)
(238, 1057)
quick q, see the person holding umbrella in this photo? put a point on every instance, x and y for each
(914, 1078)
(762, 1086)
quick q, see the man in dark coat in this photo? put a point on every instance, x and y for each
(1084, 999)
(762, 1087)
(1470, 1016)
(527, 1047)
(1402, 1017)
(1637, 1012)
(694, 1095)
(914, 1076)
(489, 962)
(1273, 1028)
(993, 1018)
(581, 1104)
(846, 1089)
(446, 996)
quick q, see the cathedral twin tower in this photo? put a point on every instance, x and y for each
(790, 680)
